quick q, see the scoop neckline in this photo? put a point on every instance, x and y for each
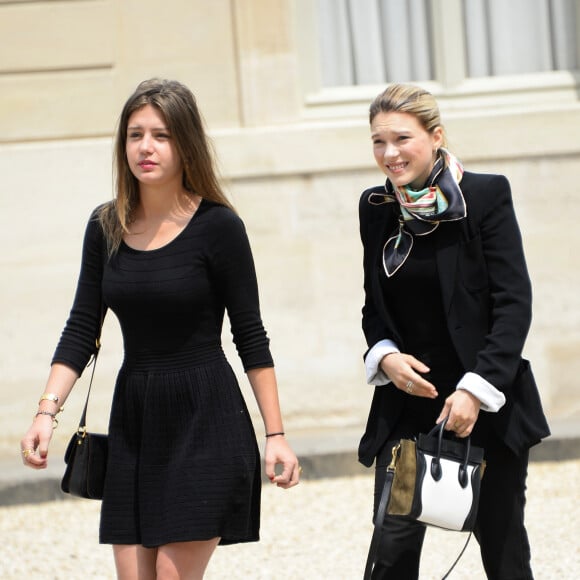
(171, 241)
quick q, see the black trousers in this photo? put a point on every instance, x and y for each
(500, 529)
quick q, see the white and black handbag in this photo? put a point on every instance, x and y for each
(434, 480)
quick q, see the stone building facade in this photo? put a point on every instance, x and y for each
(294, 152)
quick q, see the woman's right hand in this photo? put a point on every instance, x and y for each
(403, 370)
(34, 445)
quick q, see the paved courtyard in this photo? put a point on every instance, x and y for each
(317, 531)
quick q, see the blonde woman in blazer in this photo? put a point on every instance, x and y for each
(446, 314)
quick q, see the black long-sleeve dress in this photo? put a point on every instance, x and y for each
(183, 459)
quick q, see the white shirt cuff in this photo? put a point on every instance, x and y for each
(375, 375)
(491, 399)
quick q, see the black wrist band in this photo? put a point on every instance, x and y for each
(274, 434)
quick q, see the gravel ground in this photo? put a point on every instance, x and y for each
(319, 530)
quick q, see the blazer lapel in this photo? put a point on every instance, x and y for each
(381, 231)
(447, 250)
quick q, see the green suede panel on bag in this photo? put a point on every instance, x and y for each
(403, 489)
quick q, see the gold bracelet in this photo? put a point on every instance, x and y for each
(49, 397)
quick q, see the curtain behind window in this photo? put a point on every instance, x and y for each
(379, 41)
(374, 41)
(520, 36)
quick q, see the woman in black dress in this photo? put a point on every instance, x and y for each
(168, 256)
(447, 310)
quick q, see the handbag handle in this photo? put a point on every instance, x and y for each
(436, 470)
(82, 428)
(381, 511)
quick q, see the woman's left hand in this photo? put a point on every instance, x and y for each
(462, 410)
(278, 452)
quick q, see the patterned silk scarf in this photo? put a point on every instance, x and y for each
(422, 211)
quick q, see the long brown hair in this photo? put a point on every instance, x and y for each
(179, 109)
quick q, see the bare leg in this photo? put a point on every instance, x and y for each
(134, 562)
(184, 560)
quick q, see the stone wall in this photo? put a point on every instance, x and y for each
(294, 163)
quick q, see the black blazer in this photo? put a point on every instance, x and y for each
(487, 298)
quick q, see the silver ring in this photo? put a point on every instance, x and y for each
(409, 387)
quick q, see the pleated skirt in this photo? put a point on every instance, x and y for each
(183, 461)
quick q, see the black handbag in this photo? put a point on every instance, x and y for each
(86, 454)
(86, 465)
(432, 480)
